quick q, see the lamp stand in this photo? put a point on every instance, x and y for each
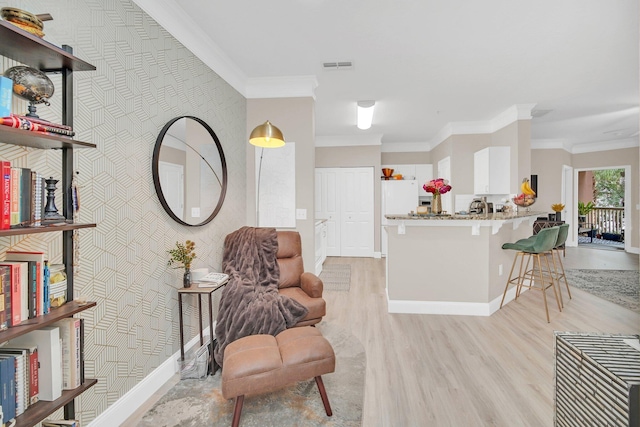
(258, 190)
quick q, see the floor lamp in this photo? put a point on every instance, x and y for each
(264, 136)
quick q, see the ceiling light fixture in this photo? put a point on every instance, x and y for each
(266, 135)
(365, 114)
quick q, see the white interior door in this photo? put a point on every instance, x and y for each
(172, 183)
(327, 206)
(356, 215)
(344, 197)
(569, 203)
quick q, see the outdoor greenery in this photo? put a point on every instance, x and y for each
(585, 208)
(609, 187)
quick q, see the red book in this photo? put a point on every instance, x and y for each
(15, 196)
(5, 195)
(16, 292)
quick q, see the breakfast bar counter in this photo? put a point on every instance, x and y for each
(451, 264)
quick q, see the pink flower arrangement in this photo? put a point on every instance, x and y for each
(437, 186)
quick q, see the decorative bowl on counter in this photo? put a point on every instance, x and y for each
(524, 200)
(387, 172)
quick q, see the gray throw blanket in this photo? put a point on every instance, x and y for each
(250, 303)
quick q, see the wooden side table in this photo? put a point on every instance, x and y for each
(195, 290)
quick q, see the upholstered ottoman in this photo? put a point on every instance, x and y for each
(263, 363)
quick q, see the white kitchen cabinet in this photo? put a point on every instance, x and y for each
(492, 171)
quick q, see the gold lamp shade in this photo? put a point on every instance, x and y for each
(266, 135)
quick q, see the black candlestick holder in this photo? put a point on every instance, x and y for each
(51, 214)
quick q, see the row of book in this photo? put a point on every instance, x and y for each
(30, 366)
(36, 125)
(22, 197)
(29, 287)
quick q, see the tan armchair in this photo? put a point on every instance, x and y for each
(305, 288)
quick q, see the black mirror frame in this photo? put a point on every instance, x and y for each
(156, 175)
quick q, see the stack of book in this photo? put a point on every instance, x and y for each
(213, 280)
(36, 125)
(22, 197)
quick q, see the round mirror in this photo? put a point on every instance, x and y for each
(189, 171)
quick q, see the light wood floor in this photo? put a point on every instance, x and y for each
(433, 370)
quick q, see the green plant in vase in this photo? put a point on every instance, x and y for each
(183, 254)
(583, 211)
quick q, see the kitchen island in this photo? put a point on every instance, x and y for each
(451, 264)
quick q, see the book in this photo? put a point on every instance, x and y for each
(5, 195)
(44, 122)
(38, 275)
(57, 285)
(22, 278)
(70, 335)
(15, 197)
(16, 291)
(25, 196)
(5, 284)
(212, 280)
(21, 360)
(61, 423)
(47, 339)
(6, 96)
(8, 384)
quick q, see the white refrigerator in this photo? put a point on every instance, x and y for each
(397, 197)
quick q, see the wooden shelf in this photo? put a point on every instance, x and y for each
(28, 49)
(27, 138)
(67, 310)
(43, 229)
(41, 410)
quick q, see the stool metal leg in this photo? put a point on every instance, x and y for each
(323, 395)
(237, 411)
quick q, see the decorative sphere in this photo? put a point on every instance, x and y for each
(30, 84)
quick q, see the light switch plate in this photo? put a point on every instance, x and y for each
(301, 214)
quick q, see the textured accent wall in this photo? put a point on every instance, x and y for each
(144, 78)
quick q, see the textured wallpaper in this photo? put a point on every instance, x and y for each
(144, 78)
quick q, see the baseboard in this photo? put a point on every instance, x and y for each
(449, 307)
(123, 408)
(633, 250)
(377, 255)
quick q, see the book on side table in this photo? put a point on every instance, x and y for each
(213, 280)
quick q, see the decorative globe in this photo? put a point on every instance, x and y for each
(30, 84)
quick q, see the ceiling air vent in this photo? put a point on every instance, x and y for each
(344, 65)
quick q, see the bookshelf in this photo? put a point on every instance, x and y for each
(30, 50)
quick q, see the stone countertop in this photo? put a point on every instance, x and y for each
(498, 216)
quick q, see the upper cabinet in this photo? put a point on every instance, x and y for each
(492, 171)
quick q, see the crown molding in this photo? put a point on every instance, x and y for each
(282, 87)
(512, 114)
(550, 144)
(405, 147)
(587, 147)
(348, 140)
(617, 144)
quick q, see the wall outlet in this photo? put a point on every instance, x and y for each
(301, 214)
(500, 270)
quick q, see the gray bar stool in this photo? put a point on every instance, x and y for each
(539, 278)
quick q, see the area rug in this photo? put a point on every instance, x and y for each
(621, 287)
(197, 403)
(336, 277)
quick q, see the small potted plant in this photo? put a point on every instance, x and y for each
(183, 254)
(557, 208)
(583, 211)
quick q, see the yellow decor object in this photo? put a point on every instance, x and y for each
(266, 135)
(557, 207)
(526, 188)
(183, 254)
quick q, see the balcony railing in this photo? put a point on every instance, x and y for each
(607, 220)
